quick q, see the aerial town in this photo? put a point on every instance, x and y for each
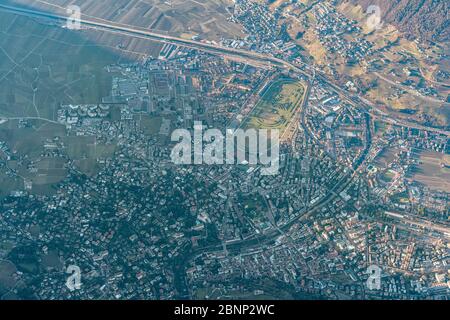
(89, 181)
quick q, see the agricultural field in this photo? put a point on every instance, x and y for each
(28, 144)
(86, 150)
(48, 67)
(278, 104)
(204, 18)
(149, 124)
(433, 171)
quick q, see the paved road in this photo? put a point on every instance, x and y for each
(93, 22)
(115, 27)
(30, 118)
(135, 31)
(248, 55)
(407, 89)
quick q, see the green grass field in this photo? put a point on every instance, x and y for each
(277, 105)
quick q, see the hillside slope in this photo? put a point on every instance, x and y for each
(427, 19)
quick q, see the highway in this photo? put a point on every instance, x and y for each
(250, 56)
(139, 32)
(111, 26)
(258, 58)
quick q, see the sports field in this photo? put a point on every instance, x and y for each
(278, 104)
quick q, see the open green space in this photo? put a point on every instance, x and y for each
(277, 106)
